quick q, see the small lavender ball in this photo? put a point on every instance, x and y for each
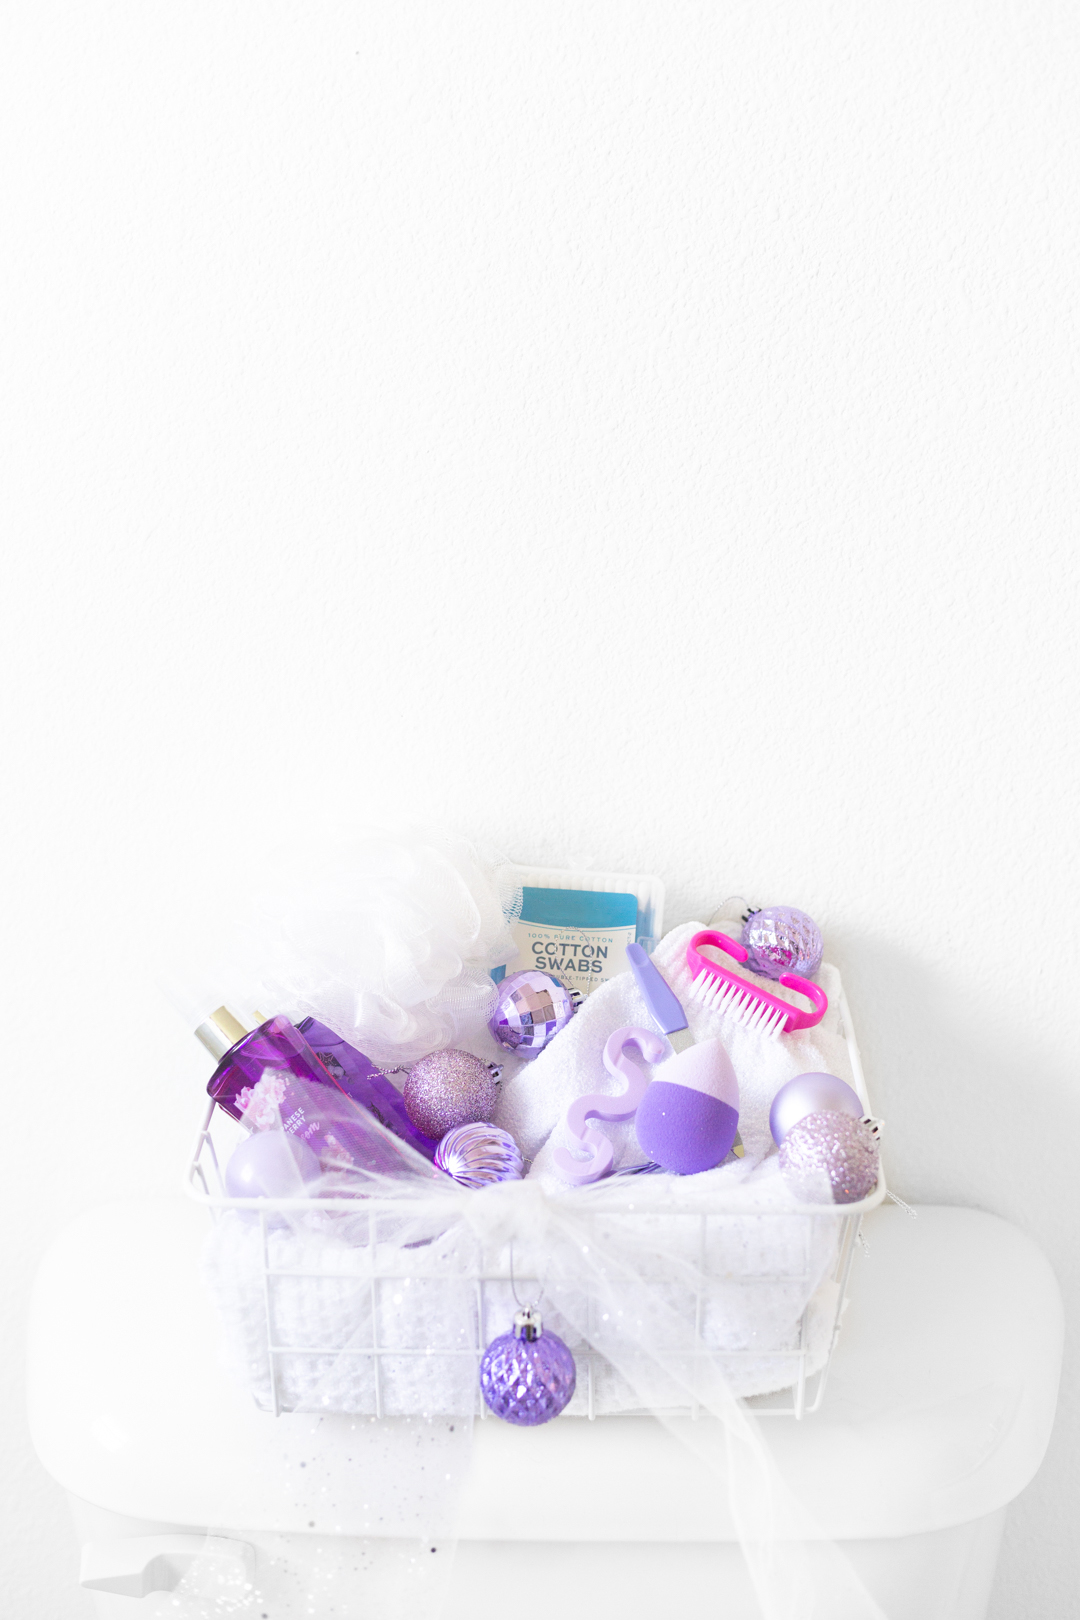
(782, 939)
(477, 1155)
(830, 1158)
(448, 1089)
(270, 1164)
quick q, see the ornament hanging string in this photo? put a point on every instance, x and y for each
(523, 1305)
(528, 1376)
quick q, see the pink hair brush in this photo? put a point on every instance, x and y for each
(717, 988)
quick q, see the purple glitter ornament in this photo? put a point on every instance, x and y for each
(830, 1158)
(781, 939)
(527, 1376)
(448, 1089)
(531, 1009)
(477, 1155)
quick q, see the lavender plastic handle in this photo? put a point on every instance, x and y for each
(596, 1105)
(660, 998)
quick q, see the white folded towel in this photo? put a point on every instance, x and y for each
(535, 1098)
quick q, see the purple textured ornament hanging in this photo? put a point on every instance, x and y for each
(527, 1376)
(448, 1089)
(830, 1158)
(531, 1009)
(478, 1155)
(782, 939)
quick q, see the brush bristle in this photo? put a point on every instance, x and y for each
(718, 995)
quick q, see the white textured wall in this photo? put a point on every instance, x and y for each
(641, 428)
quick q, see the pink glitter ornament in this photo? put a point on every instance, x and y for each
(830, 1158)
(448, 1089)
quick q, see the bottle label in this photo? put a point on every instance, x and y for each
(273, 1080)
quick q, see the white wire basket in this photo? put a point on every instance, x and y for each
(340, 1308)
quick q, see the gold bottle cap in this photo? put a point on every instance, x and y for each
(221, 1031)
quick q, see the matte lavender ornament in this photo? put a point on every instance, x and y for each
(478, 1155)
(528, 1376)
(812, 1093)
(271, 1164)
(532, 1007)
(830, 1158)
(782, 939)
(448, 1089)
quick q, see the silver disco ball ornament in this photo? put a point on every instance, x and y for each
(532, 1007)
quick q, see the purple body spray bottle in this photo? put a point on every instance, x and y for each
(270, 1078)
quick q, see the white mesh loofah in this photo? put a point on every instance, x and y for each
(390, 941)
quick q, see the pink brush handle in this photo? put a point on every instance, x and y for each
(794, 1017)
(597, 1105)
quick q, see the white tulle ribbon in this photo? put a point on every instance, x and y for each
(624, 1300)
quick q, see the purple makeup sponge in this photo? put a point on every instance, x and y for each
(687, 1121)
(684, 1131)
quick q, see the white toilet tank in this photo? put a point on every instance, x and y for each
(937, 1413)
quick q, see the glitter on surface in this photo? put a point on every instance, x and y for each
(527, 1381)
(477, 1155)
(532, 1008)
(448, 1089)
(830, 1158)
(782, 939)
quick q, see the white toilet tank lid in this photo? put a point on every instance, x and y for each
(938, 1410)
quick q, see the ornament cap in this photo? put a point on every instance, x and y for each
(528, 1324)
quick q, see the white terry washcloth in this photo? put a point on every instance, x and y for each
(331, 1298)
(534, 1100)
